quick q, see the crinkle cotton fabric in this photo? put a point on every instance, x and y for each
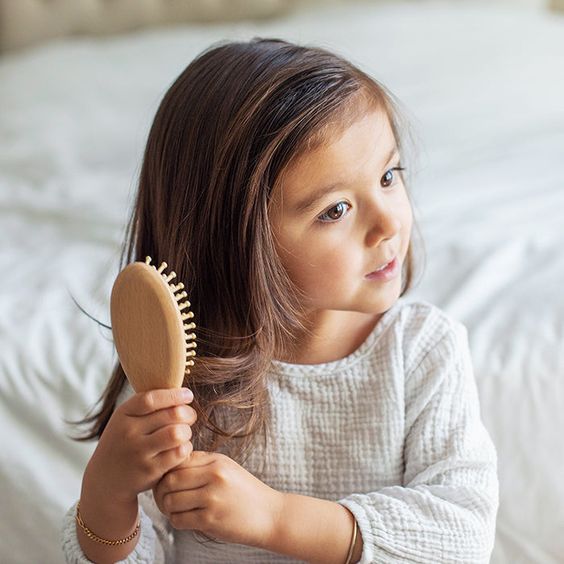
(393, 432)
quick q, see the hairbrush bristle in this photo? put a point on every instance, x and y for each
(189, 337)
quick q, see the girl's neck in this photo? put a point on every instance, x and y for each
(330, 341)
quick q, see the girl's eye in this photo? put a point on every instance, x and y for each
(330, 217)
(329, 213)
(388, 177)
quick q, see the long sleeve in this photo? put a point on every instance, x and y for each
(445, 512)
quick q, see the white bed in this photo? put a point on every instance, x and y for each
(484, 86)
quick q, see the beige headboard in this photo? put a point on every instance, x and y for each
(27, 22)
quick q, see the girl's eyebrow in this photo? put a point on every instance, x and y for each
(308, 203)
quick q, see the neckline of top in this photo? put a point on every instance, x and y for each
(291, 369)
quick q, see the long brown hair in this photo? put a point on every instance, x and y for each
(224, 131)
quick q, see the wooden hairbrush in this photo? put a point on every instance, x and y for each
(152, 340)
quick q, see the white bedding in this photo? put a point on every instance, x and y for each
(484, 86)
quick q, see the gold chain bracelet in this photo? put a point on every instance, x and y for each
(96, 538)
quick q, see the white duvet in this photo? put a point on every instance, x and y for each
(484, 87)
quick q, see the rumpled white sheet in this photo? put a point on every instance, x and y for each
(484, 86)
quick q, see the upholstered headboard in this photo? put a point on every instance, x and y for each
(28, 22)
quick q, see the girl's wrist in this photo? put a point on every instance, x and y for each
(95, 484)
(102, 511)
(104, 518)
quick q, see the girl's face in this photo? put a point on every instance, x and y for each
(329, 241)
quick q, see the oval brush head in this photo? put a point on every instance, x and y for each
(153, 342)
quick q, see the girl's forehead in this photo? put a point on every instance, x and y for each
(334, 129)
(342, 149)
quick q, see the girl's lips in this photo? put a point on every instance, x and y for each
(387, 273)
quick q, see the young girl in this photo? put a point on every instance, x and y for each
(330, 419)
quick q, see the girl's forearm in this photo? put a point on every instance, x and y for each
(107, 518)
(315, 530)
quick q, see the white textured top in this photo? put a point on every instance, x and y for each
(392, 432)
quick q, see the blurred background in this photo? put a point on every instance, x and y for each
(482, 84)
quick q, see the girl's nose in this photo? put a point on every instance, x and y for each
(383, 223)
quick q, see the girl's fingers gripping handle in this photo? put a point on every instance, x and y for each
(177, 415)
(144, 403)
(169, 437)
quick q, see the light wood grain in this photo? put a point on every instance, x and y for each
(149, 329)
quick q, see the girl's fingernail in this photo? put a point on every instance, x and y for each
(187, 394)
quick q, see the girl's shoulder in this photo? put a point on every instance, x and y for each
(420, 316)
(423, 327)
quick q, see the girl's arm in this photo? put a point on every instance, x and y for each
(315, 530)
(106, 517)
(109, 518)
(151, 545)
(446, 510)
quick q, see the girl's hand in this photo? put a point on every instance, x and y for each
(213, 494)
(146, 436)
